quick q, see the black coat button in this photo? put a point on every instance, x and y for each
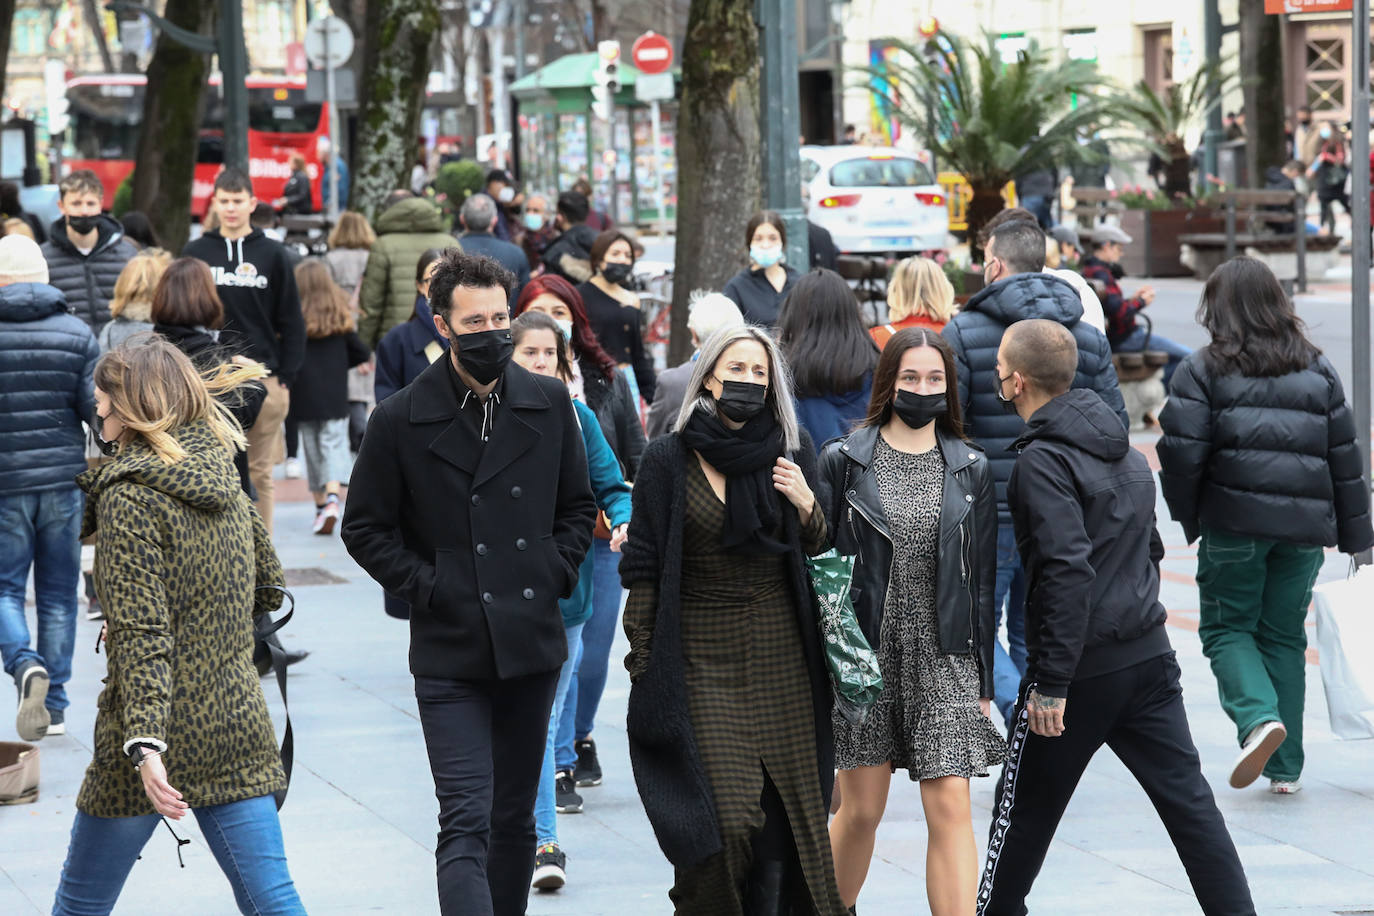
(487, 598)
(481, 550)
(528, 593)
(520, 544)
(476, 500)
(516, 492)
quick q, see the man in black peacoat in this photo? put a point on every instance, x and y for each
(472, 502)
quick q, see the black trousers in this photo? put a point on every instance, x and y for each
(485, 740)
(1138, 713)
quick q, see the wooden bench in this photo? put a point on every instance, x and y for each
(1094, 205)
(1249, 216)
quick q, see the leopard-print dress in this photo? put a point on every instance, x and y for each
(926, 720)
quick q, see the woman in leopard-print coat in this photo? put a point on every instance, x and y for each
(182, 722)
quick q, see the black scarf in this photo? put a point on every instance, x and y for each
(745, 456)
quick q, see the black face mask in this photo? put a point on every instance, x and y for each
(1008, 404)
(484, 354)
(618, 274)
(741, 401)
(107, 448)
(917, 410)
(82, 225)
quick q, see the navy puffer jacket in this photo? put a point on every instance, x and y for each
(1271, 458)
(87, 280)
(47, 357)
(976, 333)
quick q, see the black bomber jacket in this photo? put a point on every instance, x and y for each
(967, 569)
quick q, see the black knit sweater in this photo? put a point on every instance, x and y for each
(663, 749)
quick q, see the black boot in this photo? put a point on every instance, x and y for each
(764, 893)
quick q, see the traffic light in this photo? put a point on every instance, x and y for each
(607, 79)
(55, 96)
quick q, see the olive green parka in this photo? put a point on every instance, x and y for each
(405, 230)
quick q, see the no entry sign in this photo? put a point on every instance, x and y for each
(652, 53)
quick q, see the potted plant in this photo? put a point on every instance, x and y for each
(1155, 221)
(989, 120)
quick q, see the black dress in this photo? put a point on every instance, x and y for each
(620, 331)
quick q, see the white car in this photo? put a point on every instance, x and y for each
(875, 200)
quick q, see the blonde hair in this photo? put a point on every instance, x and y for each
(919, 287)
(1051, 252)
(352, 231)
(16, 226)
(155, 390)
(138, 279)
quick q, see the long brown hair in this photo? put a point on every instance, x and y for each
(324, 305)
(186, 297)
(538, 321)
(1255, 330)
(885, 379)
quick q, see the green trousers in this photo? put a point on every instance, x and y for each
(1255, 595)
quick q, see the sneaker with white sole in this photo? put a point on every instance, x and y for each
(57, 723)
(292, 471)
(566, 799)
(1259, 746)
(32, 719)
(550, 868)
(1285, 786)
(327, 518)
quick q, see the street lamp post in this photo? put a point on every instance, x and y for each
(233, 67)
(1359, 235)
(780, 122)
(1213, 135)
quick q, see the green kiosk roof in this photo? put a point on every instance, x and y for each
(572, 71)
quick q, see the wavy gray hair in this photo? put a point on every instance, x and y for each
(779, 381)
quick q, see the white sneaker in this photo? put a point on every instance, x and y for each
(326, 518)
(293, 469)
(1277, 786)
(33, 718)
(1259, 746)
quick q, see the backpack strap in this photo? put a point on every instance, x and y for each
(263, 634)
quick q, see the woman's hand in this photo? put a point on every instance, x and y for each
(166, 800)
(790, 482)
(618, 536)
(985, 707)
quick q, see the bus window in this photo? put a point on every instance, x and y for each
(104, 121)
(282, 111)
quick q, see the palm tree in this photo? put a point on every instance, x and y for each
(991, 120)
(1165, 117)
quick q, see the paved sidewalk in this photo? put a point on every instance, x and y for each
(360, 820)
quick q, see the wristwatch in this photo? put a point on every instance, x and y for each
(139, 752)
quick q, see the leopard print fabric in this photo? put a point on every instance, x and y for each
(181, 550)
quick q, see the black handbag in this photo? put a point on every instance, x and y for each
(268, 655)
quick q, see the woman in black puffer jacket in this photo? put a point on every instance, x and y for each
(1259, 458)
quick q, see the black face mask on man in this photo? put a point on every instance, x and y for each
(741, 401)
(484, 354)
(917, 410)
(1008, 404)
(82, 225)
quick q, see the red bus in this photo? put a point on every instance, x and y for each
(105, 114)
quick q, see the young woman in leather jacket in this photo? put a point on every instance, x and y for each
(913, 501)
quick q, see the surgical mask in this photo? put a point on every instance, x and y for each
(82, 225)
(533, 221)
(918, 410)
(1325, 133)
(619, 274)
(765, 256)
(484, 354)
(741, 401)
(107, 448)
(506, 194)
(564, 325)
(1008, 404)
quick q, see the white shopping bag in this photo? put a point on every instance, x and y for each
(1345, 644)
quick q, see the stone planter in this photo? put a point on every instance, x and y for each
(1155, 249)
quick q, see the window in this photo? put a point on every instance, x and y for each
(1159, 58)
(282, 111)
(1080, 44)
(880, 172)
(1010, 44)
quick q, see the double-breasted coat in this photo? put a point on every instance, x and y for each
(481, 539)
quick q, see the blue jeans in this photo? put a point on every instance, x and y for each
(545, 814)
(41, 530)
(1007, 668)
(1135, 342)
(584, 694)
(1039, 204)
(244, 836)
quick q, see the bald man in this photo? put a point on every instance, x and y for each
(1099, 667)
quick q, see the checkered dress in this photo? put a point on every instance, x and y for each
(749, 698)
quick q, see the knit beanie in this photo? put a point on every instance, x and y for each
(21, 261)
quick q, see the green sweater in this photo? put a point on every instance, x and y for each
(181, 551)
(405, 230)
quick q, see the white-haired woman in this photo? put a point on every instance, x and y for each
(729, 710)
(919, 295)
(706, 313)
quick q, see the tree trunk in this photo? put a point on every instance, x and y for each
(717, 153)
(396, 67)
(173, 106)
(986, 203)
(1261, 71)
(6, 26)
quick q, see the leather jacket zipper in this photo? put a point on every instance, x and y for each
(968, 592)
